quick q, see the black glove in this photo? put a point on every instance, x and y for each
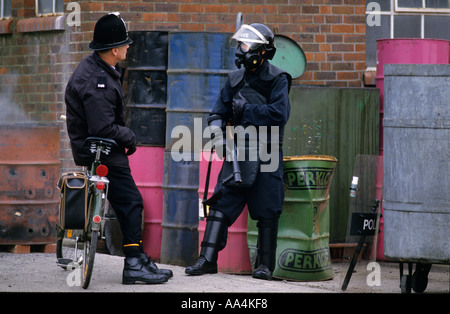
(238, 108)
(131, 150)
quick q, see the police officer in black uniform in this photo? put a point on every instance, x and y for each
(257, 95)
(95, 107)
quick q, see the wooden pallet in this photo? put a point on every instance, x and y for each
(24, 249)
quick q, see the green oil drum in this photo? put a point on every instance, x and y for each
(303, 229)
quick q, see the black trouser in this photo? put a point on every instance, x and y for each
(127, 202)
(264, 198)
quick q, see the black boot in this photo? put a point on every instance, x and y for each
(147, 261)
(136, 271)
(216, 226)
(267, 245)
(201, 267)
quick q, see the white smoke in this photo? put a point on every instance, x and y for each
(10, 111)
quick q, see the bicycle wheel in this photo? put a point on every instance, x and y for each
(90, 246)
(59, 245)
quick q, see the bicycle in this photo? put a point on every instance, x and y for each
(96, 213)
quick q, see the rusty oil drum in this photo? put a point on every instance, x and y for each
(29, 171)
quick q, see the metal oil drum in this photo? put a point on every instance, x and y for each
(147, 87)
(198, 65)
(303, 228)
(179, 240)
(416, 196)
(146, 166)
(29, 171)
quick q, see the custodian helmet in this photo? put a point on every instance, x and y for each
(110, 31)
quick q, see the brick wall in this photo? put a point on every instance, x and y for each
(331, 32)
(37, 55)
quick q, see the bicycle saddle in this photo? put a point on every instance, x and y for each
(104, 141)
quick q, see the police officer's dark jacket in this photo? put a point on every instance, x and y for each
(267, 93)
(268, 99)
(95, 107)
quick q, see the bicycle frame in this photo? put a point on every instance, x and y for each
(98, 192)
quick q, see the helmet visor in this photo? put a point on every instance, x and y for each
(249, 36)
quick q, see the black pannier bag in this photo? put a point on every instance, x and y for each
(73, 203)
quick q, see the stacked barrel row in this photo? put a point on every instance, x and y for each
(174, 80)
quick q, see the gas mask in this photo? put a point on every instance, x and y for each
(250, 59)
(250, 41)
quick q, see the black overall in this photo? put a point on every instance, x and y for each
(267, 93)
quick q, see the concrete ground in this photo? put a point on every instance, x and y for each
(46, 285)
(38, 272)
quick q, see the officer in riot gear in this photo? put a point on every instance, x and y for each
(95, 107)
(256, 95)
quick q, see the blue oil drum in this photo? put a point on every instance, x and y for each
(198, 65)
(179, 241)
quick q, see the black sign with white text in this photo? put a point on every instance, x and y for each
(363, 224)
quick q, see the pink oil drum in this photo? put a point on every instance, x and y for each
(234, 258)
(403, 51)
(147, 169)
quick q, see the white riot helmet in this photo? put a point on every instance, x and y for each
(250, 40)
